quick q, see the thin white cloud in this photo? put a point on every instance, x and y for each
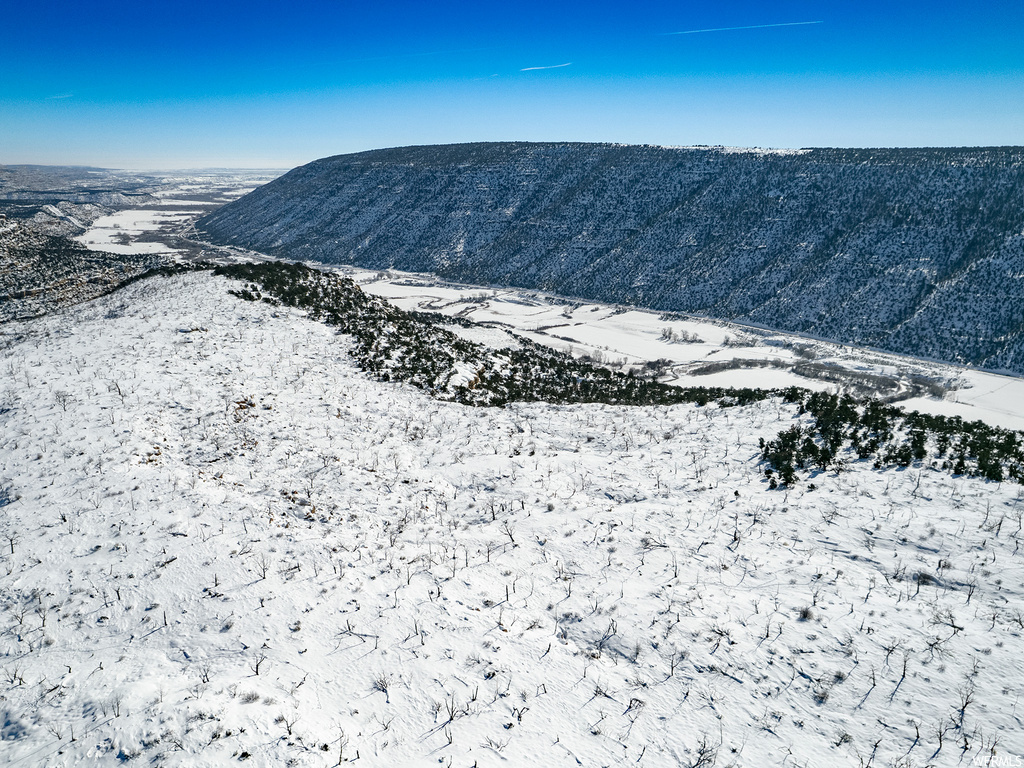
(553, 66)
(61, 96)
(753, 26)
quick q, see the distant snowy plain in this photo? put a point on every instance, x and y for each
(222, 543)
(119, 232)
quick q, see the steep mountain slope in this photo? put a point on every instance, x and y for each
(919, 251)
(223, 541)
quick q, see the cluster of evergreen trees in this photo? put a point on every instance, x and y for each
(891, 437)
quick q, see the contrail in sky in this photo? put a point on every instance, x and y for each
(754, 26)
(553, 66)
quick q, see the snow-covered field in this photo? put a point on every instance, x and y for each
(633, 337)
(222, 542)
(119, 232)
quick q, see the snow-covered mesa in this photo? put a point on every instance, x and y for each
(222, 542)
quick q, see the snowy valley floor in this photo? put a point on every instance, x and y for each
(223, 543)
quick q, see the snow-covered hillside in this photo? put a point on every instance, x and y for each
(223, 542)
(40, 272)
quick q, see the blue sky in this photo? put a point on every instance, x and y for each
(261, 84)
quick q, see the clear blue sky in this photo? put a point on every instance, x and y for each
(276, 84)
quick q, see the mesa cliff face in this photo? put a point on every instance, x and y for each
(919, 251)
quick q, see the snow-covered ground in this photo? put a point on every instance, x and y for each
(636, 336)
(222, 542)
(119, 232)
